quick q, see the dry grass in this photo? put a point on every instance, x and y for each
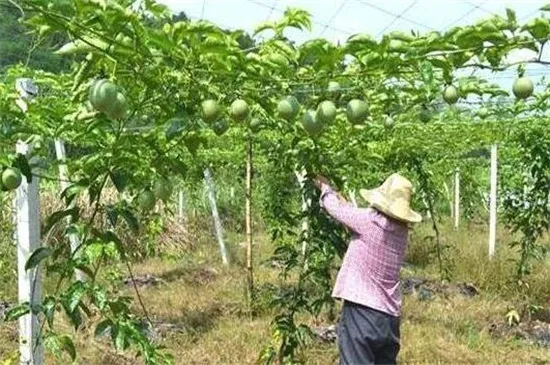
(207, 303)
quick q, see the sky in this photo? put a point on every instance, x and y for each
(336, 20)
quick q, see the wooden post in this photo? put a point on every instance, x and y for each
(29, 282)
(214, 207)
(248, 208)
(181, 210)
(64, 182)
(457, 199)
(493, 201)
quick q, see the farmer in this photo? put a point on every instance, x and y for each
(368, 281)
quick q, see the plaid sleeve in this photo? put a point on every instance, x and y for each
(354, 218)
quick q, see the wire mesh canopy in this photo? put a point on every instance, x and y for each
(337, 20)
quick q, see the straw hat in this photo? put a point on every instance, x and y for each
(393, 198)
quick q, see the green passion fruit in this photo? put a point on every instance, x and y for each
(11, 178)
(102, 94)
(450, 94)
(311, 123)
(523, 88)
(356, 111)
(239, 110)
(326, 112)
(211, 110)
(118, 108)
(288, 108)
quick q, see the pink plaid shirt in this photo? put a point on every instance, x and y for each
(369, 274)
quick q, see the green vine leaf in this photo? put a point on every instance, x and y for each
(37, 257)
(18, 311)
(68, 346)
(59, 215)
(103, 328)
(75, 294)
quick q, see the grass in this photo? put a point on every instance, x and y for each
(207, 303)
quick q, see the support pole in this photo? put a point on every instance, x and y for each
(448, 196)
(214, 207)
(305, 225)
(457, 198)
(64, 182)
(248, 208)
(493, 201)
(29, 282)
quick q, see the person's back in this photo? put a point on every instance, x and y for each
(369, 274)
(368, 280)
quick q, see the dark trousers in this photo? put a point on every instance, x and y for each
(367, 336)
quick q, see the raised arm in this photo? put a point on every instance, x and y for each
(344, 212)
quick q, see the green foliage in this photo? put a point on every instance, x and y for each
(166, 67)
(18, 47)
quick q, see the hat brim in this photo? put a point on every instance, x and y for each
(373, 197)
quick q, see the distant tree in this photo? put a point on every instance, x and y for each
(18, 46)
(180, 17)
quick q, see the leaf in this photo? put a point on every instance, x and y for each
(402, 36)
(103, 328)
(49, 309)
(112, 237)
(539, 28)
(426, 72)
(85, 269)
(18, 311)
(75, 294)
(130, 219)
(59, 215)
(100, 297)
(160, 41)
(360, 44)
(84, 45)
(37, 256)
(22, 164)
(75, 317)
(121, 339)
(119, 179)
(545, 8)
(263, 27)
(284, 48)
(68, 345)
(72, 191)
(511, 15)
(112, 215)
(296, 18)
